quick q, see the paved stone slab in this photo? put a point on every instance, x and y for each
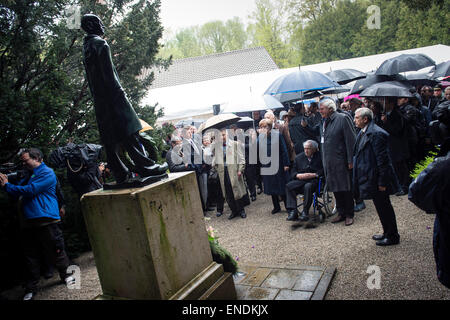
(286, 294)
(257, 277)
(256, 293)
(308, 281)
(282, 278)
(322, 287)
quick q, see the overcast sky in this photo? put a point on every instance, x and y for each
(176, 14)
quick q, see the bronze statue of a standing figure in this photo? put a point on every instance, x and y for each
(117, 121)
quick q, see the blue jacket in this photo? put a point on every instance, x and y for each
(39, 194)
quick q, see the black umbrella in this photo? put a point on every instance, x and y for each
(403, 63)
(245, 123)
(388, 89)
(442, 70)
(421, 79)
(371, 79)
(343, 76)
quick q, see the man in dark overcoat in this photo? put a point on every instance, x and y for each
(337, 140)
(373, 175)
(305, 173)
(117, 121)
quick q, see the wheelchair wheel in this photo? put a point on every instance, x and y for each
(328, 201)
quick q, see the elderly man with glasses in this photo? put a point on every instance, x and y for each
(305, 173)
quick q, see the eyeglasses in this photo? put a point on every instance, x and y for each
(427, 90)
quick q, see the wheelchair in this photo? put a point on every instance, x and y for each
(322, 205)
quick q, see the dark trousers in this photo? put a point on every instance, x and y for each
(250, 173)
(386, 214)
(48, 241)
(234, 205)
(344, 203)
(276, 201)
(401, 169)
(295, 187)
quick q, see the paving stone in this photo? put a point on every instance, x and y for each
(308, 280)
(257, 277)
(241, 291)
(257, 293)
(324, 283)
(282, 278)
(286, 294)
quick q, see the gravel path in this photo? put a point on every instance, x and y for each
(407, 270)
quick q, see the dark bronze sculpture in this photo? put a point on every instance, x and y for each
(117, 121)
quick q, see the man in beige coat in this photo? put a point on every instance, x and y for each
(229, 161)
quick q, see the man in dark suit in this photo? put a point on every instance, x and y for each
(373, 175)
(305, 175)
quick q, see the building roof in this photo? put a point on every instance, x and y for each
(193, 99)
(214, 66)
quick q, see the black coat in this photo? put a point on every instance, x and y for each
(372, 165)
(302, 165)
(337, 151)
(429, 191)
(275, 184)
(300, 134)
(396, 126)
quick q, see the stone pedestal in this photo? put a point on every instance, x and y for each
(151, 242)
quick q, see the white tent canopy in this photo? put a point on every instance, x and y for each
(198, 98)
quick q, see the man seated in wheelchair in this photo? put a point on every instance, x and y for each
(304, 179)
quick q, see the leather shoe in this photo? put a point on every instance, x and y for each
(276, 210)
(243, 214)
(360, 206)
(259, 190)
(231, 216)
(388, 242)
(304, 216)
(293, 216)
(348, 221)
(218, 214)
(253, 198)
(378, 237)
(337, 219)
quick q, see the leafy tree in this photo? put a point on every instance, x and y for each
(44, 97)
(270, 31)
(332, 34)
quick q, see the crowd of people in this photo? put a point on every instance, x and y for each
(362, 148)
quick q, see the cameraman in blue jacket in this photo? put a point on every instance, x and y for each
(41, 232)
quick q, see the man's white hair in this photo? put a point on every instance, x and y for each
(329, 103)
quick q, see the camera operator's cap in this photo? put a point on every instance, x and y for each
(145, 126)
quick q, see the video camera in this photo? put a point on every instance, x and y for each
(14, 172)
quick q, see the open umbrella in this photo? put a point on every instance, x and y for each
(421, 79)
(371, 79)
(253, 103)
(388, 89)
(403, 63)
(442, 70)
(343, 76)
(300, 81)
(245, 123)
(218, 122)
